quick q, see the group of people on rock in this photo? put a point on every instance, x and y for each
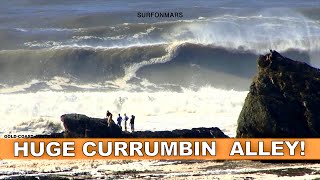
(120, 120)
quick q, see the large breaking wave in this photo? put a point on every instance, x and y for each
(218, 51)
(185, 64)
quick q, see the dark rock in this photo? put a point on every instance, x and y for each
(80, 126)
(283, 100)
(213, 132)
(53, 135)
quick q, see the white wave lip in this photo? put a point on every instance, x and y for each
(256, 33)
(207, 107)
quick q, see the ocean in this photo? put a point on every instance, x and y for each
(194, 70)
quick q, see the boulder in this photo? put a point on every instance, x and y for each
(283, 101)
(78, 125)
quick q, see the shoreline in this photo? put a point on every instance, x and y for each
(138, 169)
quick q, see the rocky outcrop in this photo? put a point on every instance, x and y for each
(78, 125)
(213, 132)
(81, 126)
(283, 101)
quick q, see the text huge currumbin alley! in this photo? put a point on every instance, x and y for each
(174, 149)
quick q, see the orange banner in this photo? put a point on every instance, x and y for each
(161, 149)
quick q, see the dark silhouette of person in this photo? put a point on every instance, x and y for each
(126, 118)
(109, 118)
(119, 119)
(132, 122)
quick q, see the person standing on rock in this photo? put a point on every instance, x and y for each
(119, 121)
(132, 122)
(109, 118)
(125, 121)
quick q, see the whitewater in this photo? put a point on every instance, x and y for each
(34, 113)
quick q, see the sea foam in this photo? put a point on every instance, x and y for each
(34, 113)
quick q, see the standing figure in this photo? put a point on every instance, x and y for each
(119, 119)
(125, 121)
(132, 122)
(109, 118)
